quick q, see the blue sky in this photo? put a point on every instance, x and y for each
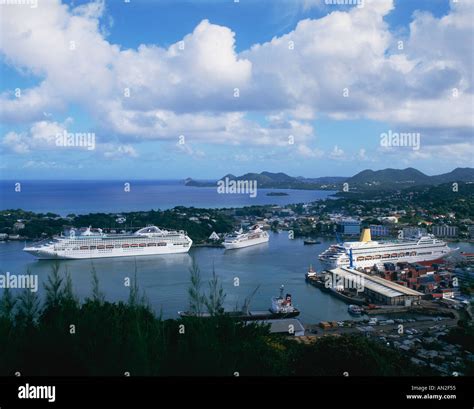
(154, 82)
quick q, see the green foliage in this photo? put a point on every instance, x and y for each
(68, 294)
(97, 295)
(196, 298)
(215, 300)
(53, 287)
(41, 226)
(28, 308)
(102, 338)
(36, 223)
(7, 304)
(134, 294)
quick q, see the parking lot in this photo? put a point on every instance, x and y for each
(400, 327)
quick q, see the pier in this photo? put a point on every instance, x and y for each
(355, 287)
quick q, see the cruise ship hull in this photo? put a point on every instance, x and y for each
(105, 253)
(245, 243)
(330, 264)
(148, 241)
(367, 253)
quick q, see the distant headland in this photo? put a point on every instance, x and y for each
(386, 179)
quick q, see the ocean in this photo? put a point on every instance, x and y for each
(82, 197)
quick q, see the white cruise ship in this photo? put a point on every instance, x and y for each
(366, 253)
(145, 242)
(239, 239)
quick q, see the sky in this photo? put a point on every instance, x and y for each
(169, 89)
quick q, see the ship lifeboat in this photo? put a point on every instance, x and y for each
(100, 247)
(368, 258)
(360, 258)
(394, 255)
(377, 257)
(84, 247)
(142, 244)
(386, 256)
(413, 253)
(151, 244)
(125, 246)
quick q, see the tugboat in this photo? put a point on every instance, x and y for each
(355, 310)
(311, 273)
(281, 307)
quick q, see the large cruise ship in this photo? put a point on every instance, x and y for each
(239, 239)
(95, 244)
(367, 253)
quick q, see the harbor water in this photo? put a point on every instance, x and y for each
(166, 279)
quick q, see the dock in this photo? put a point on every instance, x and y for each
(286, 326)
(373, 289)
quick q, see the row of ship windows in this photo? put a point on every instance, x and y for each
(419, 247)
(257, 236)
(123, 241)
(402, 254)
(387, 256)
(124, 246)
(428, 241)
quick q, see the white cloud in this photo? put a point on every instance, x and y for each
(121, 151)
(362, 155)
(53, 137)
(48, 164)
(242, 157)
(190, 90)
(306, 151)
(337, 153)
(41, 136)
(188, 150)
(32, 164)
(309, 4)
(16, 142)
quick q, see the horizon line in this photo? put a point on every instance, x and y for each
(215, 178)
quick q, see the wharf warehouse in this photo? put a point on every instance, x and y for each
(377, 290)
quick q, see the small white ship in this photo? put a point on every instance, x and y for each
(355, 309)
(238, 240)
(311, 273)
(367, 253)
(95, 244)
(282, 307)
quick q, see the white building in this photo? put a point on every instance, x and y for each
(471, 232)
(445, 231)
(214, 236)
(18, 226)
(414, 231)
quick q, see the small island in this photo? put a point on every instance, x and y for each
(277, 194)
